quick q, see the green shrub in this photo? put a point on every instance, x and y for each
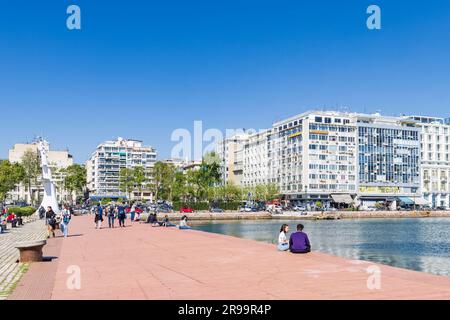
(197, 206)
(205, 206)
(22, 211)
(232, 206)
(105, 201)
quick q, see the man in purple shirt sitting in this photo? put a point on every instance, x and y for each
(299, 242)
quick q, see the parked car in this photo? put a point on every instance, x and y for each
(299, 208)
(186, 210)
(275, 209)
(216, 210)
(163, 209)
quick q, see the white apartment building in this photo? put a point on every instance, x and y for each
(435, 160)
(230, 152)
(254, 158)
(106, 161)
(313, 157)
(57, 160)
(184, 165)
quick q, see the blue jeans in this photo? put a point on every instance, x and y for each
(132, 215)
(64, 228)
(283, 247)
(111, 221)
(184, 227)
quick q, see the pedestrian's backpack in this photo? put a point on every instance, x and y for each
(66, 217)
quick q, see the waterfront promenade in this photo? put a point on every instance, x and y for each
(141, 262)
(10, 269)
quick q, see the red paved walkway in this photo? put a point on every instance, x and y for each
(141, 262)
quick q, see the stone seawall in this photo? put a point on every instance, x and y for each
(310, 216)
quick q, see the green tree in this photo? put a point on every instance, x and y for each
(126, 180)
(139, 178)
(75, 178)
(272, 192)
(10, 176)
(179, 186)
(163, 178)
(32, 170)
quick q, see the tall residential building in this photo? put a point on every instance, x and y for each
(313, 157)
(255, 159)
(57, 160)
(389, 164)
(230, 152)
(106, 161)
(435, 159)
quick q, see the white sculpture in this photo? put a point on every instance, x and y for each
(49, 199)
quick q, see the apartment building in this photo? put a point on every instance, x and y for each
(435, 159)
(57, 160)
(254, 158)
(109, 157)
(313, 157)
(230, 154)
(389, 160)
(184, 165)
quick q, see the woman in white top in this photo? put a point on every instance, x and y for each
(283, 243)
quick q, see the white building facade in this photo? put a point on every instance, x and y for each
(57, 160)
(435, 160)
(313, 157)
(104, 166)
(255, 160)
(230, 154)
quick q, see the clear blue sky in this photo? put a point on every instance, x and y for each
(140, 69)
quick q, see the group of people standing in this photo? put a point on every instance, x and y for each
(298, 241)
(57, 221)
(111, 212)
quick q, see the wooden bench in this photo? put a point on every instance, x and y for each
(31, 251)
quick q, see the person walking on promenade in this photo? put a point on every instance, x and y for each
(98, 217)
(66, 216)
(283, 243)
(132, 212)
(121, 215)
(111, 216)
(299, 242)
(50, 220)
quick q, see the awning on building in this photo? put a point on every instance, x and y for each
(342, 198)
(421, 202)
(406, 200)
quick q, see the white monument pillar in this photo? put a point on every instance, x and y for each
(49, 199)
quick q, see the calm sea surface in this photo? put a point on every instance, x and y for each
(417, 244)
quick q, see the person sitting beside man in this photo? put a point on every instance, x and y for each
(153, 220)
(299, 242)
(183, 223)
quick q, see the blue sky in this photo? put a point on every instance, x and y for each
(141, 69)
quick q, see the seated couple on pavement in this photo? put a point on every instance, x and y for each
(153, 220)
(298, 242)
